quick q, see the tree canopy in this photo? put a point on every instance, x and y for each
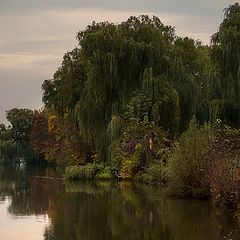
(98, 79)
(226, 56)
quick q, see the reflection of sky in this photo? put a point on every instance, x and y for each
(35, 34)
(20, 227)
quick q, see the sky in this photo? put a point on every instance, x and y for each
(29, 228)
(35, 34)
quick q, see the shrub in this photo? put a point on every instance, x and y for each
(187, 167)
(115, 155)
(88, 172)
(223, 173)
(127, 167)
(143, 177)
(130, 165)
(74, 172)
(81, 172)
(224, 181)
(105, 174)
(155, 173)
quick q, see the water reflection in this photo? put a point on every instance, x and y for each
(107, 210)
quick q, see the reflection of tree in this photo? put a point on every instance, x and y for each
(135, 217)
(28, 195)
(90, 211)
(189, 219)
(12, 180)
(44, 193)
(110, 210)
(75, 217)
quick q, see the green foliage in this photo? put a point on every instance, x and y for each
(154, 173)
(15, 138)
(135, 147)
(130, 164)
(21, 123)
(79, 172)
(163, 154)
(105, 174)
(9, 151)
(5, 132)
(157, 172)
(225, 55)
(89, 171)
(187, 168)
(113, 57)
(138, 107)
(138, 71)
(190, 74)
(115, 154)
(138, 67)
(126, 89)
(165, 110)
(64, 90)
(114, 128)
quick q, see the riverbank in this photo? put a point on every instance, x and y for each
(204, 163)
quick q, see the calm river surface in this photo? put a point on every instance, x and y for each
(37, 208)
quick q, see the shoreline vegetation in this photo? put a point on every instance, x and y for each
(134, 101)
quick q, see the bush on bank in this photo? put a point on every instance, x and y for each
(154, 173)
(186, 166)
(205, 163)
(89, 171)
(223, 167)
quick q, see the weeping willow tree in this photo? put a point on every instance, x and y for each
(138, 63)
(226, 56)
(114, 57)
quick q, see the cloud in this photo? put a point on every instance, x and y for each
(204, 7)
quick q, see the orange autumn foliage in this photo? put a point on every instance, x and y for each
(57, 139)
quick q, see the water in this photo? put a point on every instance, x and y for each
(38, 208)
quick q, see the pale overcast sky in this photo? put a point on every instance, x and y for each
(36, 33)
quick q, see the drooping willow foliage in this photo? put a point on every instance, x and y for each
(142, 70)
(115, 57)
(226, 56)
